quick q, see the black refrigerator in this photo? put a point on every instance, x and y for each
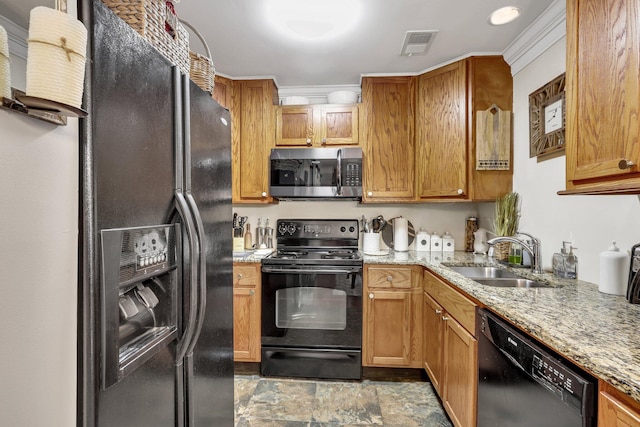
(155, 301)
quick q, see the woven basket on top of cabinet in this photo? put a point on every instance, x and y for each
(202, 71)
(150, 18)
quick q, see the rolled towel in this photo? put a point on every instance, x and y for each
(56, 56)
(5, 72)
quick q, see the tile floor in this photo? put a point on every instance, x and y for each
(276, 402)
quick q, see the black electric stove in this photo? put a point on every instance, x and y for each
(312, 301)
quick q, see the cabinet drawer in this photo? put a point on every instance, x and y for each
(457, 305)
(246, 275)
(390, 277)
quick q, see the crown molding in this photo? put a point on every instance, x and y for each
(17, 37)
(549, 28)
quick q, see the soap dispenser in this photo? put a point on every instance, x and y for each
(570, 262)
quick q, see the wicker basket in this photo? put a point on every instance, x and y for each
(201, 70)
(149, 18)
(501, 251)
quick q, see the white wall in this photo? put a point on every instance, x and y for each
(38, 263)
(593, 221)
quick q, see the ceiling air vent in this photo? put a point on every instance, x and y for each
(417, 42)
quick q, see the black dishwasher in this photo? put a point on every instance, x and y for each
(521, 383)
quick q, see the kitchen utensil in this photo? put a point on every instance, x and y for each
(634, 266)
(235, 220)
(387, 233)
(480, 245)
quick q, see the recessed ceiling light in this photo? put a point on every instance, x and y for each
(504, 15)
(313, 20)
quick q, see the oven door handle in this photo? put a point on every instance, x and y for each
(307, 270)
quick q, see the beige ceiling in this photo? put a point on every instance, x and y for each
(244, 45)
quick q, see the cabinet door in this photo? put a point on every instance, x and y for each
(433, 340)
(441, 135)
(339, 125)
(387, 135)
(603, 95)
(460, 384)
(614, 411)
(246, 312)
(387, 333)
(252, 140)
(246, 325)
(294, 125)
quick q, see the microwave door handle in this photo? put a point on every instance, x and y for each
(339, 173)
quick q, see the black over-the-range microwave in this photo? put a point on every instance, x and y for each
(316, 173)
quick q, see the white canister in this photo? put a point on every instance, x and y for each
(370, 243)
(614, 270)
(436, 243)
(423, 241)
(448, 243)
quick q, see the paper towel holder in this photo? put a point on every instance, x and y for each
(387, 233)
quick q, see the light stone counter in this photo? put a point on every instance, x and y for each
(597, 331)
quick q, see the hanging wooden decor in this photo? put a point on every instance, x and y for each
(493, 139)
(547, 119)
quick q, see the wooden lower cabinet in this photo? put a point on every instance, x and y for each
(392, 325)
(246, 312)
(615, 409)
(450, 349)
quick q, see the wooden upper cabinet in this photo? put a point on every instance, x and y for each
(603, 96)
(387, 135)
(222, 91)
(316, 125)
(449, 100)
(442, 133)
(252, 139)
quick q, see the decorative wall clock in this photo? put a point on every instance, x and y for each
(547, 119)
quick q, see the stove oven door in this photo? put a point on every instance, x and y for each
(311, 321)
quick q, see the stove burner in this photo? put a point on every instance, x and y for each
(339, 255)
(290, 254)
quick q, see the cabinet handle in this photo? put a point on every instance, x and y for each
(308, 141)
(389, 278)
(445, 318)
(264, 194)
(438, 311)
(625, 164)
(370, 193)
(460, 191)
(251, 292)
(324, 141)
(239, 276)
(371, 295)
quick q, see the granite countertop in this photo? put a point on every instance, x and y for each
(597, 331)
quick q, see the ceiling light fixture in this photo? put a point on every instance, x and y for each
(313, 20)
(504, 15)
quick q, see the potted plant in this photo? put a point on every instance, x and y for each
(506, 222)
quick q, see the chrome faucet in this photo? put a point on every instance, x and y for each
(533, 249)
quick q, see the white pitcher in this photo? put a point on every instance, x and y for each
(480, 245)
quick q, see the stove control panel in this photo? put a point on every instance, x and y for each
(317, 229)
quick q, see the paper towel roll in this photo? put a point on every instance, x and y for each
(56, 56)
(400, 234)
(5, 72)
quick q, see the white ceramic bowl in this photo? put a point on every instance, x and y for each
(342, 97)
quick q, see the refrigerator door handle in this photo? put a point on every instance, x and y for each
(190, 323)
(202, 282)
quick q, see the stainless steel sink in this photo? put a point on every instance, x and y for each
(512, 282)
(477, 272)
(497, 277)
